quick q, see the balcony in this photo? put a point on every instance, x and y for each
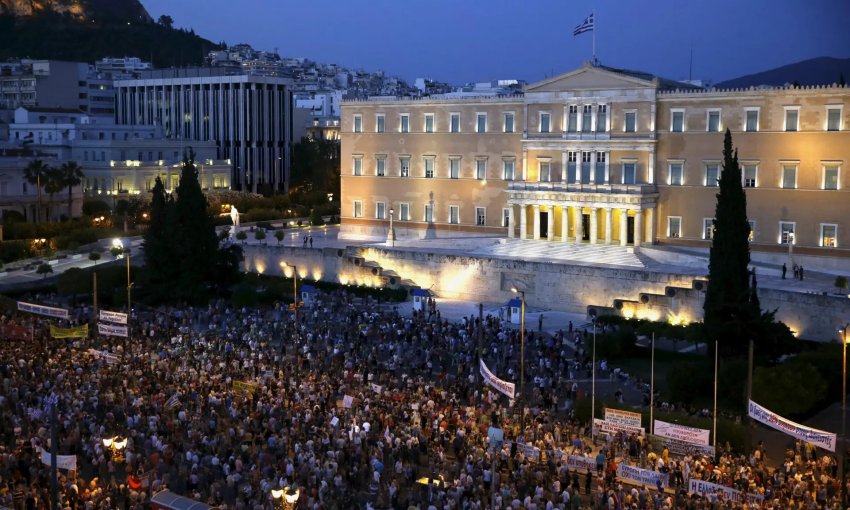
(611, 189)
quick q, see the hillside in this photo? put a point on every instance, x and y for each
(815, 71)
(87, 30)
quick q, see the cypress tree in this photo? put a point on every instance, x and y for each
(160, 264)
(728, 302)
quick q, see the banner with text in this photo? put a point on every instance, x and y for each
(75, 332)
(681, 448)
(15, 332)
(638, 476)
(113, 317)
(49, 311)
(626, 418)
(111, 330)
(581, 463)
(68, 462)
(613, 427)
(821, 438)
(689, 435)
(504, 387)
(110, 358)
(729, 494)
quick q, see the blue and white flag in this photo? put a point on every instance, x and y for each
(586, 25)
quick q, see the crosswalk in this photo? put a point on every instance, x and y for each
(595, 254)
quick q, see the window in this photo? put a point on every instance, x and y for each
(454, 123)
(786, 232)
(429, 213)
(454, 168)
(480, 169)
(833, 118)
(789, 176)
(481, 122)
(381, 167)
(545, 122)
(830, 177)
(404, 211)
(630, 125)
(429, 167)
(587, 118)
(358, 209)
(828, 235)
(677, 121)
(792, 118)
(572, 157)
(358, 166)
(508, 166)
(674, 226)
(358, 123)
(752, 236)
(544, 169)
(586, 158)
(708, 228)
(404, 167)
(454, 214)
(480, 216)
(712, 121)
(602, 118)
(506, 217)
(509, 122)
(601, 165)
(380, 211)
(572, 120)
(429, 122)
(404, 123)
(629, 172)
(380, 120)
(712, 174)
(750, 172)
(675, 178)
(751, 119)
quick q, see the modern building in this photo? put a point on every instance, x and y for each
(601, 155)
(249, 118)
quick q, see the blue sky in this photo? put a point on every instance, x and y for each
(460, 41)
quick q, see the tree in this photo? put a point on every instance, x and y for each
(72, 175)
(160, 265)
(279, 235)
(728, 302)
(260, 235)
(94, 257)
(35, 173)
(44, 270)
(242, 236)
(52, 185)
(166, 21)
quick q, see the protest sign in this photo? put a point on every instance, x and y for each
(823, 439)
(682, 433)
(49, 311)
(638, 476)
(74, 332)
(696, 486)
(113, 317)
(504, 387)
(627, 418)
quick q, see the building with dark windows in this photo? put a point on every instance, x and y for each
(248, 117)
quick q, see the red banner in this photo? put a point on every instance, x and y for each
(15, 332)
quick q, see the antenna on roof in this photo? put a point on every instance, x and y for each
(691, 64)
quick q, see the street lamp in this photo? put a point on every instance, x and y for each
(287, 500)
(521, 359)
(843, 455)
(294, 289)
(116, 445)
(391, 234)
(117, 244)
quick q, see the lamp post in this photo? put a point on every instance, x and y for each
(521, 360)
(116, 445)
(843, 455)
(294, 288)
(117, 244)
(593, 380)
(287, 500)
(391, 233)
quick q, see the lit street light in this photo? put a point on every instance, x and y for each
(287, 500)
(116, 445)
(391, 233)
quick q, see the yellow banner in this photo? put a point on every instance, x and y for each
(77, 332)
(245, 386)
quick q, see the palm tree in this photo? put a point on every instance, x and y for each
(36, 174)
(54, 183)
(72, 175)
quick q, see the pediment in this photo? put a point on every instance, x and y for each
(590, 77)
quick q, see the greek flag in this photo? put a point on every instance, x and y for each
(586, 26)
(173, 402)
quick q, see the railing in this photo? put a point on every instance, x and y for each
(616, 189)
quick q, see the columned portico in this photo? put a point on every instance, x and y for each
(511, 221)
(579, 228)
(608, 225)
(550, 230)
(523, 221)
(594, 231)
(536, 218)
(624, 225)
(565, 223)
(638, 227)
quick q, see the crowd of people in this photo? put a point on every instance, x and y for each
(353, 406)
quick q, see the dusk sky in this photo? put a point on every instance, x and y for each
(460, 41)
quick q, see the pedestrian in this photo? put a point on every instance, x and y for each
(311, 241)
(784, 270)
(796, 271)
(801, 272)
(540, 323)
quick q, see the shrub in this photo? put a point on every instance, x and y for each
(94, 257)
(44, 270)
(11, 251)
(316, 218)
(242, 236)
(279, 235)
(96, 208)
(841, 282)
(257, 215)
(260, 234)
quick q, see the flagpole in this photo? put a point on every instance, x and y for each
(593, 12)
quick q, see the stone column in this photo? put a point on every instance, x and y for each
(593, 225)
(525, 165)
(511, 221)
(638, 227)
(579, 224)
(550, 231)
(650, 226)
(565, 222)
(535, 210)
(608, 224)
(523, 222)
(624, 225)
(592, 167)
(564, 164)
(650, 171)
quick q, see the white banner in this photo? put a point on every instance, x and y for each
(676, 447)
(581, 463)
(729, 494)
(347, 401)
(107, 356)
(68, 462)
(111, 330)
(503, 387)
(113, 317)
(56, 313)
(638, 476)
(626, 418)
(614, 427)
(682, 433)
(821, 438)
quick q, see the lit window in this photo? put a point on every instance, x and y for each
(828, 235)
(480, 216)
(752, 236)
(786, 232)
(674, 226)
(708, 228)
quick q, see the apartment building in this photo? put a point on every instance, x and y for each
(600, 155)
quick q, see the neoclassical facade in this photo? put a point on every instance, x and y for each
(600, 155)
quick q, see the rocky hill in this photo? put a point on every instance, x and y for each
(78, 10)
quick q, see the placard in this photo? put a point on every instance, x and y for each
(626, 418)
(638, 476)
(690, 435)
(823, 439)
(111, 330)
(67, 462)
(614, 427)
(49, 311)
(504, 387)
(75, 332)
(113, 317)
(696, 486)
